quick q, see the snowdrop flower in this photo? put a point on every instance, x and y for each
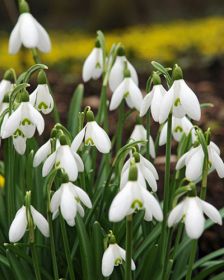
(139, 133)
(134, 197)
(94, 136)
(153, 99)
(69, 198)
(20, 223)
(128, 90)
(26, 118)
(28, 32)
(63, 158)
(180, 100)
(146, 172)
(19, 142)
(192, 209)
(117, 70)
(41, 98)
(179, 127)
(194, 160)
(6, 84)
(93, 65)
(113, 256)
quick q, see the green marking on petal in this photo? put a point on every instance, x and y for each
(98, 65)
(118, 261)
(57, 164)
(126, 94)
(137, 204)
(77, 199)
(209, 164)
(42, 105)
(89, 141)
(177, 102)
(18, 133)
(26, 122)
(178, 129)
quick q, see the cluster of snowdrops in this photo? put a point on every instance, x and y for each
(130, 176)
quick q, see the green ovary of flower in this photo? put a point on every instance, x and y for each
(136, 204)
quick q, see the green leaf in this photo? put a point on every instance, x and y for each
(98, 249)
(209, 271)
(74, 110)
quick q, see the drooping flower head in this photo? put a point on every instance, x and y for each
(93, 65)
(117, 70)
(28, 32)
(93, 135)
(180, 100)
(6, 84)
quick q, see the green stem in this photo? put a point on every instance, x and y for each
(128, 274)
(66, 247)
(102, 116)
(35, 262)
(148, 121)
(167, 191)
(120, 126)
(192, 259)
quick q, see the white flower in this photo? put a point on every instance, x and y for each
(19, 224)
(113, 256)
(5, 87)
(43, 152)
(192, 209)
(93, 65)
(117, 72)
(41, 99)
(26, 118)
(129, 90)
(154, 99)
(95, 136)
(131, 198)
(181, 101)
(194, 160)
(69, 198)
(30, 33)
(139, 133)
(19, 142)
(146, 172)
(179, 127)
(62, 158)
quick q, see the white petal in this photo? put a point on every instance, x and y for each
(79, 162)
(40, 222)
(44, 101)
(78, 140)
(211, 212)
(44, 42)
(134, 75)
(150, 166)
(80, 210)
(100, 138)
(5, 87)
(166, 106)
(123, 255)
(217, 163)
(82, 195)
(146, 103)
(195, 165)
(37, 119)
(55, 201)
(89, 65)
(135, 94)
(121, 204)
(152, 147)
(18, 225)
(68, 204)
(19, 143)
(163, 135)
(42, 153)
(116, 73)
(139, 133)
(159, 93)
(149, 178)
(118, 95)
(14, 40)
(176, 214)
(12, 123)
(189, 101)
(28, 31)
(194, 221)
(48, 165)
(108, 262)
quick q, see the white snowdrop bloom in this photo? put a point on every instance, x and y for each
(41, 99)
(43, 152)
(26, 118)
(19, 142)
(146, 172)
(134, 197)
(153, 99)
(93, 65)
(113, 256)
(5, 87)
(69, 198)
(139, 133)
(19, 224)
(180, 126)
(192, 209)
(94, 135)
(63, 158)
(128, 90)
(30, 33)
(181, 101)
(117, 71)
(194, 160)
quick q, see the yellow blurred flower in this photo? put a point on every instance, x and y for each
(2, 181)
